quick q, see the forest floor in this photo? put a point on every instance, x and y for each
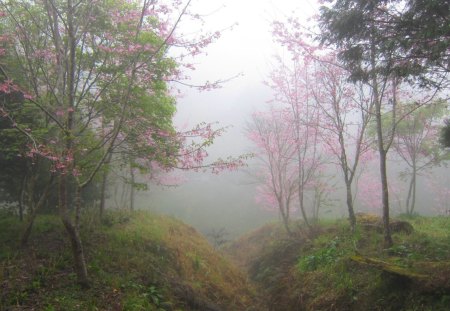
(136, 261)
(142, 261)
(330, 268)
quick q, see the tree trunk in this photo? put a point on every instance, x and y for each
(74, 236)
(383, 174)
(408, 198)
(132, 188)
(285, 218)
(351, 211)
(78, 203)
(383, 153)
(286, 225)
(385, 199)
(302, 206)
(33, 213)
(413, 203)
(21, 197)
(104, 186)
(103, 194)
(27, 232)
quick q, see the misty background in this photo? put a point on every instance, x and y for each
(245, 51)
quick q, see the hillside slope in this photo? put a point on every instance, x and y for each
(332, 269)
(136, 261)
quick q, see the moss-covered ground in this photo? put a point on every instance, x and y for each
(136, 261)
(142, 261)
(318, 269)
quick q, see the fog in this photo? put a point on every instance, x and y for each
(267, 149)
(245, 50)
(226, 200)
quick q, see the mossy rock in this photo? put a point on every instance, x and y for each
(375, 223)
(401, 226)
(389, 267)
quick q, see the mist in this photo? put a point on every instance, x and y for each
(246, 52)
(224, 155)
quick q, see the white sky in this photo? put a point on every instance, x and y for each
(248, 49)
(227, 200)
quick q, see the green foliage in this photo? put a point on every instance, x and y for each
(117, 217)
(106, 79)
(445, 134)
(323, 257)
(197, 261)
(418, 131)
(319, 269)
(360, 27)
(142, 297)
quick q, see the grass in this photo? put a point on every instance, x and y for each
(142, 261)
(316, 272)
(136, 261)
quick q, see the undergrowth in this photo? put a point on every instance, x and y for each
(136, 261)
(316, 272)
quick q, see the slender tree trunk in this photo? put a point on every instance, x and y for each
(31, 209)
(132, 188)
(383, 173)
(124, 197)
(408, 198)
(74, 236)
(104, 186)
(285, 218)
(413, 203)
(33, 213)
(103, 194)
(27, 232)
(351, 211)
(382, 152)
(286, 225)
(385, 199)
(302, 205)
(300, 186)
(21, 197)
(316, 204)
(78, 203)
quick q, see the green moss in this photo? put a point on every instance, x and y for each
(136, 261)
(317, 273)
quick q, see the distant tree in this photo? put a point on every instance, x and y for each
(417, 145)
(445, 134)
(292, 87)
(369, 41)
(344, 107)
(272, 133)
(23, 180)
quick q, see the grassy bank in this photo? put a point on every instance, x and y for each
(136, 261)
(333, 269)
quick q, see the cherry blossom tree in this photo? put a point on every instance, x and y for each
(346, 111)
(91, 68)
(292, 90)
(366, 36)
(417, 145)
(272, 133)
(345, 108)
